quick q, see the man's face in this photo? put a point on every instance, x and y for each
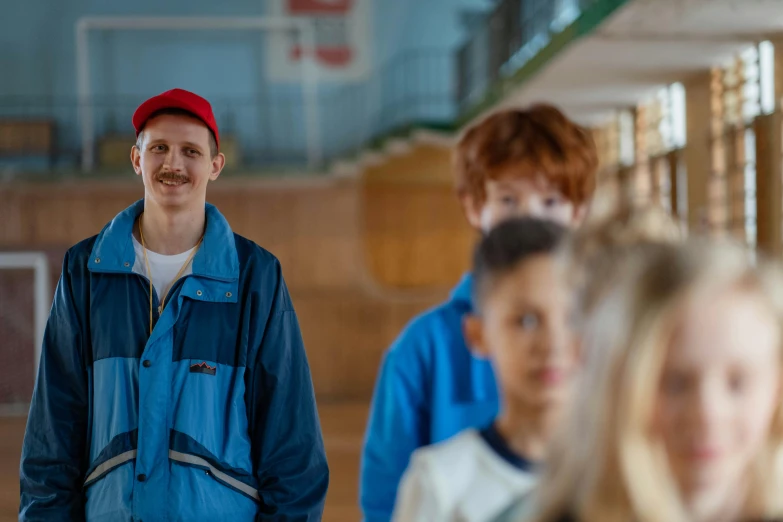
(509, 195)
(174, 161)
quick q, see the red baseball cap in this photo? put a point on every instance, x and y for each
(176, 99)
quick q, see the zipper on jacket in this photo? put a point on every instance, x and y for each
(155, 300)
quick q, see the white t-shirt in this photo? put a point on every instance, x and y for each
(472, 477)
(164, 268)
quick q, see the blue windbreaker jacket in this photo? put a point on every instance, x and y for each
(210, 418)
(430, 388)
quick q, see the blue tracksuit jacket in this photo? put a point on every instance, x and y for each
(211, 418)
(430, 388)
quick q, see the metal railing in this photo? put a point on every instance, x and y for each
(267, 132)
(511, 34)
(270, 131)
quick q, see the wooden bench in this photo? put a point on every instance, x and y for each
(27, 138)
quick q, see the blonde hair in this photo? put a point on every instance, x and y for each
(604, 465)
(594, 254)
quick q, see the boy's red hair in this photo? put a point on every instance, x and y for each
(540, 140)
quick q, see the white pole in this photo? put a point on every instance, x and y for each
(310, 93)
(191, 22)
(38, 262)
(83, 92)
(43, 305)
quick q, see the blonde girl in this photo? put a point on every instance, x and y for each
(678, 414)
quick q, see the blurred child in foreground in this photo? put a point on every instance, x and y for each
(677, 415)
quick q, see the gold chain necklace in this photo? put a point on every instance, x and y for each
(149, 271)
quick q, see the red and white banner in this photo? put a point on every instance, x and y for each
(342, 40)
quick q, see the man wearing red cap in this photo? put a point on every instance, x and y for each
(173, 382)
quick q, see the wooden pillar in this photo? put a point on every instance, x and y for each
(769, 169)
(642, 186)
(717, 204)
(659, 178)
(735, 159)
(673, 160)
(607, 195)
(768, 183)
(697, 154)
(778, 74)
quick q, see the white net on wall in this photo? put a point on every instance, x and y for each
(25, 300)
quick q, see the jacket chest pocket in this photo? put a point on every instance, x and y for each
(209, 332)
(209, 402)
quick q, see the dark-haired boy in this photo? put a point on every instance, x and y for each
(520, 325)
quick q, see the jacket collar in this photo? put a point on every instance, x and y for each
(216, 259)
(463, 292)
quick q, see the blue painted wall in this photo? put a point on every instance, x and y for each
(413, 44)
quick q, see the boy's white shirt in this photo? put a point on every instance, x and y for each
(462, 480)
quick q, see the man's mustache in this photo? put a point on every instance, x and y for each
(171, 176)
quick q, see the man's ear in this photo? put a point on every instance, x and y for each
(472, 209)
(135, 157)
(218, 162)
(473, 330)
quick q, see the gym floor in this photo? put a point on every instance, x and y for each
(343, 427)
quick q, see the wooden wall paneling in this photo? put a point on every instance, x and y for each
(82, 218)
(340, 331)
(421, 164)
(52, 217)
(346, 334)
(263, 218)
(320, 235)
(415, 235)
(325, 239)
(12, 225)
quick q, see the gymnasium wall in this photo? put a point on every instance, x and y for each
(361, 257)
(411, 45)
(415, 234)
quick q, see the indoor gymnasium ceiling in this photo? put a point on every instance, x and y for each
(645, 45)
